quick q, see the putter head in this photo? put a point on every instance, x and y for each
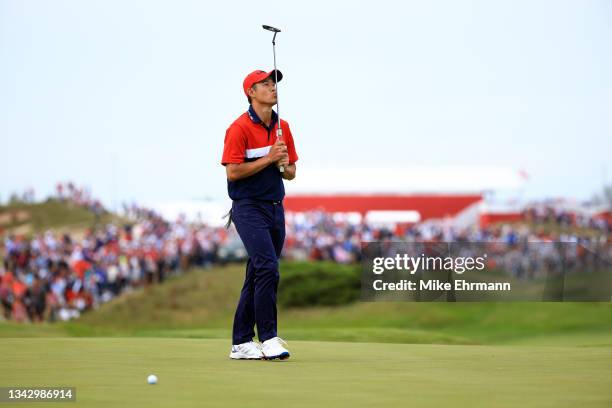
(270, 28)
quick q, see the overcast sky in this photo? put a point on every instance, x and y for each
(132, 98)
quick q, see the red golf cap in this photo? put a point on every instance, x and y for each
(257, 76)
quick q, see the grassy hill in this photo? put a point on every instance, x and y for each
(201, 304)
(52, 214)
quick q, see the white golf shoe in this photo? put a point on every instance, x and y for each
(246, 351)
(273, 348)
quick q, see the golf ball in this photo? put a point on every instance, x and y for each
(152, 379)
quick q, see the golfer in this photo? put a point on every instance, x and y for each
(252, 156)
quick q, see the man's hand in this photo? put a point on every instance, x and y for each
(284, 161)
(289, 173)
(278, 152)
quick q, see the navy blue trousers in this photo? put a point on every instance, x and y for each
(261, 226)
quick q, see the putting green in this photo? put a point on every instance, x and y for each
(112, 372)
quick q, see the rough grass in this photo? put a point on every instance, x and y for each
(201, 304)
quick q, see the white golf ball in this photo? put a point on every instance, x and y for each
(152, 379)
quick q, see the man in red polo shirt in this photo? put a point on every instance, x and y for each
(252, 156)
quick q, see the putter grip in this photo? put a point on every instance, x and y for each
(279, 134)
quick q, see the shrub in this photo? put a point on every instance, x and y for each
(318, 284)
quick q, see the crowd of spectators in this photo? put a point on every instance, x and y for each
(80, 196)
(549, 212)
(57, 277)
(51, 277)
(325, 236)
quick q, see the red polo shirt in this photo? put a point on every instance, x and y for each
(248, 139)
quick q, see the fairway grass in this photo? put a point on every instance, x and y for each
(112, 372)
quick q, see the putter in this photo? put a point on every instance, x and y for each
(279, 131)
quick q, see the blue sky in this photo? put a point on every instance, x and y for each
(144, 90)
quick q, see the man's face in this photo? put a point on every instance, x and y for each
(264, 91)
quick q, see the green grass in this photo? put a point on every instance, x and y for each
(201, 304)
(361, 354)
(112, 372)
